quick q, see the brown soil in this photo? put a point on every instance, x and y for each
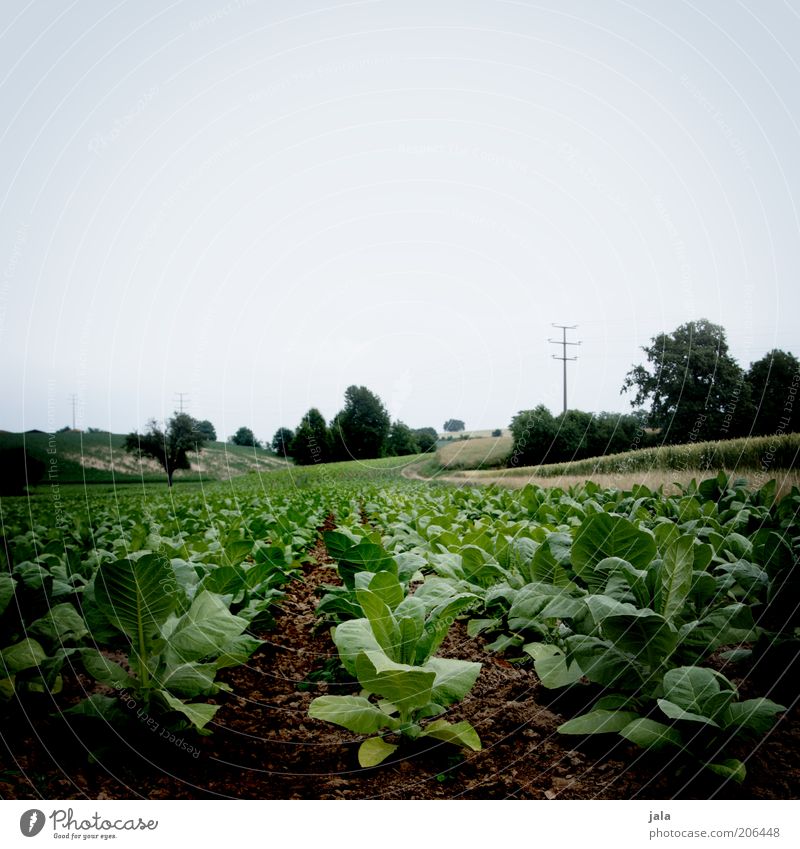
(264, 745)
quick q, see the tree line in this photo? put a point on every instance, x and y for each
(696, 392)
(361, 430)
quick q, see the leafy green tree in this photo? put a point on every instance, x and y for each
(245, 436)
(170, 445)
(426, 438)
(311, 443)
(361, 428)
(534, 433)
(453, 425)
(774, 385)
(497, 432)
(207, 430)
(401, 440)
(690, 381)
(282, 441)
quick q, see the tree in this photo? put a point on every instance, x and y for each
(453, 425)
(773, 381)
(426, 438)
(534, 432)
(311, 443)
(207, 430)
(245, 436)
(497, 432)
(401, 440)
(170, 445)
(690, 380)
(361, 428)
(282, 441)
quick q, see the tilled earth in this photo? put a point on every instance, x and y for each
(264, 745)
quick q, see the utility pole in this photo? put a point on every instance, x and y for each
(73, 400)
(563, 342)
(181, 401)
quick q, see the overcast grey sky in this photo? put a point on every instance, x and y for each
(260, 203)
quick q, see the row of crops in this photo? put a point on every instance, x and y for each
(649, 607)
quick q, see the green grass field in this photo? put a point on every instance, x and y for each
(100, 458)
(485, 452)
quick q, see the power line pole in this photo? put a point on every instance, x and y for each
(73, 400)
(181, 401)
(563, 342)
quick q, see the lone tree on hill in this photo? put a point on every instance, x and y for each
(361, 429)
(170, 446)
(453, 425)
(690, 380)
(245, 436)
(282, 441)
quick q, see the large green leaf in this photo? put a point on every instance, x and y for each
(337, 544)
(136, 595)
(598, 722)
(676, 576)
(551, 560)
(237, 550)
(606, 535)
(551, 665)
(351, 638)
(198, 713)
(104, 670)
(26, 654)
(355, 713)
(529, 602)
(63, 624)
(650, 734)
(758, 715)
(730, 768)
(7, 584)
(204, 630)
(644, 634)
(410, 616)
(438, 624)
(602, 662)
(388, 588)
(457, 733)
(454, 679)
(374, 751)
(698, 690)
(381, 620)
(190, 679)
(407, 687)
(674, 711)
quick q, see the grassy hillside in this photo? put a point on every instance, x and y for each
(100, 458)
(475, 453)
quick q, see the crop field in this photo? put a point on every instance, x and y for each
(486, 452)
(340, 631)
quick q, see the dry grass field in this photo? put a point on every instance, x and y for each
(475, 453)
(671, 480)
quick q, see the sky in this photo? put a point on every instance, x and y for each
(258, 204)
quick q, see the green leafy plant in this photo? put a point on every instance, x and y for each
(705, 716)
(173, 658)
(390, 652)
